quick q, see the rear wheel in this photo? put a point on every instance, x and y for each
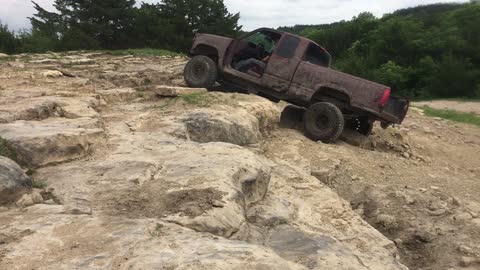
(324, 122)
(200, 72)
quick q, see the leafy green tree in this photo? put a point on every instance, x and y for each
(87, 24)
(187, 17)
(8, 43)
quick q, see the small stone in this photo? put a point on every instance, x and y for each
(49, 202)
(435, 188)
(438, 212)
(386, 220)
(323, 175)
(406, 155)
(456, 201)
(398, 242)
(52, 74)
(25, 201)
(36, 197)
(423, 236)
(423, 190)
(436, 205)
(469, 261)
(409, 200)
(463, 217)
(465, 249)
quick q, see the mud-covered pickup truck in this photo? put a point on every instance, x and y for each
(281, 66)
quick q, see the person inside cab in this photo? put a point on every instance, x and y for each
(253, 60)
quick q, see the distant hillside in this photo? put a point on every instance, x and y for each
(422, 52)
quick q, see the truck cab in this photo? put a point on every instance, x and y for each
(282, 66)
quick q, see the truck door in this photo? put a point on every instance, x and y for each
(282, 64)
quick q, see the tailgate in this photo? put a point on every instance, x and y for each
(397, 109)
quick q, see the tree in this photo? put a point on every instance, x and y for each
(8, 43)
(87, 24)
(187, 17)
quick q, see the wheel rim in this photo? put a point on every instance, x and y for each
(198, 71)
(322, 121)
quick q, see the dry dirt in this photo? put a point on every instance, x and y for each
(137, 181)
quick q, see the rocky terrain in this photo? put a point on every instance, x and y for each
(123, 168)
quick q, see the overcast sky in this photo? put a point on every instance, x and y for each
(254, 13)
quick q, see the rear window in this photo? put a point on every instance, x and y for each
(317, 56)
(288, 46)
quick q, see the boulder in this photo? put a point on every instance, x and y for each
(2, 55)
(52, 140)
(206, 125)
(13, 180)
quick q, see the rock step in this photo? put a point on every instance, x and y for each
(174, 91)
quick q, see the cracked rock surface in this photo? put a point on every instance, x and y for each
(131, 180)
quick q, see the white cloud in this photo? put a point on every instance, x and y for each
(254, 13)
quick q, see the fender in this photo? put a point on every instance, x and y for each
(331, 89)
(211, 45)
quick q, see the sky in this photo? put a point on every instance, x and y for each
(254, 13)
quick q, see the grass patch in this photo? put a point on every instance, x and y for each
(39, 184)
(469, 118)
(171, 101)
(198, 99)
(7, 151)
(143, 52)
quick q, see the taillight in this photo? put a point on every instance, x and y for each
(385, 97)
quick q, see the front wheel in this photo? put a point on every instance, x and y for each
(200, 72)
(324, 122)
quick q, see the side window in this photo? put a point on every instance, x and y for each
(288, 46)
(317, 56)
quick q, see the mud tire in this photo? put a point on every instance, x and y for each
(324, 122)
(200, 72)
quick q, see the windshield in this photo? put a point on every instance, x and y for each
(260, 38)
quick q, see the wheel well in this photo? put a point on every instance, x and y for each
(327, 94)
(206, 50)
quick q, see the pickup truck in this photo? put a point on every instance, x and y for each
(282, 66)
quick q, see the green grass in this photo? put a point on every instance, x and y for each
(469, 118)
(7, 151)
(39, 184)
(198, 99)
(143, 52)
(462, 99)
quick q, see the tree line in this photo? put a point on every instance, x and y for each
(421, 52)
(120, 24)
